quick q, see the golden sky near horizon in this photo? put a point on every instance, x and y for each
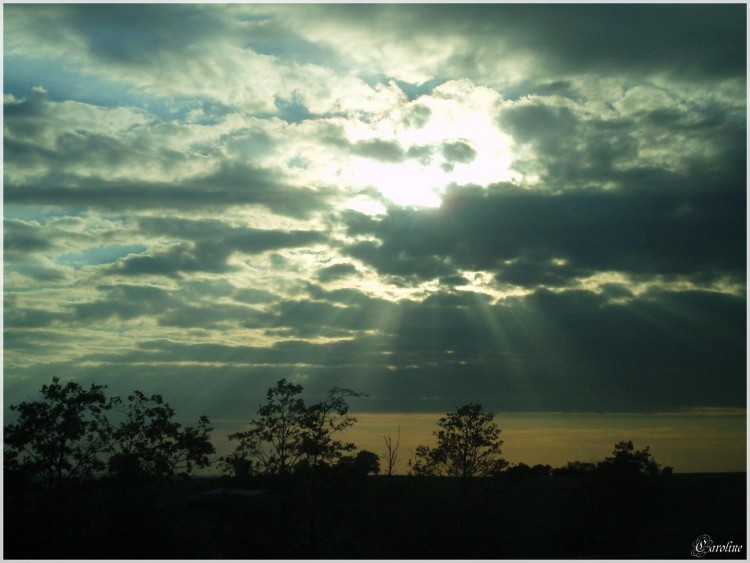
(692, 442)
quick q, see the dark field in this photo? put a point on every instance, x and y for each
(382, 518)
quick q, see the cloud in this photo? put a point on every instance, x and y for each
(524, 236)
(125, 301)
(336, 271)
(23, 237)
(542, 207)
(242, 239)
(485, 42)
(230, 185)
(253, 296)
(652, 131)
(417, 117)
(384, 151)
(213, 243)
(524, 354)
(457, 152)
(175, 260)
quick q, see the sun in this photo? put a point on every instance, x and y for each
(405, 184)
(431, 163)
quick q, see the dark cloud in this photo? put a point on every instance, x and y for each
(383, 151)
(293, 109)
(23, 237)
(417, 117)
(458, 151)
(662, 350)
(213, 315)
(269, 36)
(120, 34)
(532, 238)
(232, 239)
(37, 268)
(572, 151)
(336, 272)
(453, 281)
(549, 128)
(232, 184)
(388, 151)
(15, 318)
(346, 296)
(168, 308)
(686, 41)
(650, 38)
(213, 242)
(125, 301)
(176, 260)
(253, 296)
(422, 153)
(335, 313)
(26, 117)
(395, 258)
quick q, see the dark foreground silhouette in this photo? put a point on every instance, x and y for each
(356, 516)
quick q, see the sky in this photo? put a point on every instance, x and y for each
(540, 208)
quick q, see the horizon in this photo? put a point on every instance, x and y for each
(557, 438)
(539, 208)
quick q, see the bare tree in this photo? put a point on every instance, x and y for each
(391, 450)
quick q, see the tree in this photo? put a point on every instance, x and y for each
(150, 443)
(272, 444)
(364, 463)
(519, 470)
(288, 434)
(391, 450)
(367, 462)
(540, 469)
(626, 460)
(321, 422)
(468, 445)
(63, 436)
(236, 465)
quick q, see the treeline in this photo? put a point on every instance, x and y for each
(68, 437)
(74, 434)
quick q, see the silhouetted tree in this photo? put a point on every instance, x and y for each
(574, 468)
(626, 460)
(540, 469)
(287, 434)
(391, 450)
(61, 437)
(369, 462)
(519, 470)
(272, 444)
(364, 463)
(321, 422)
(150, 443)
(468, 445)
(236, 465)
